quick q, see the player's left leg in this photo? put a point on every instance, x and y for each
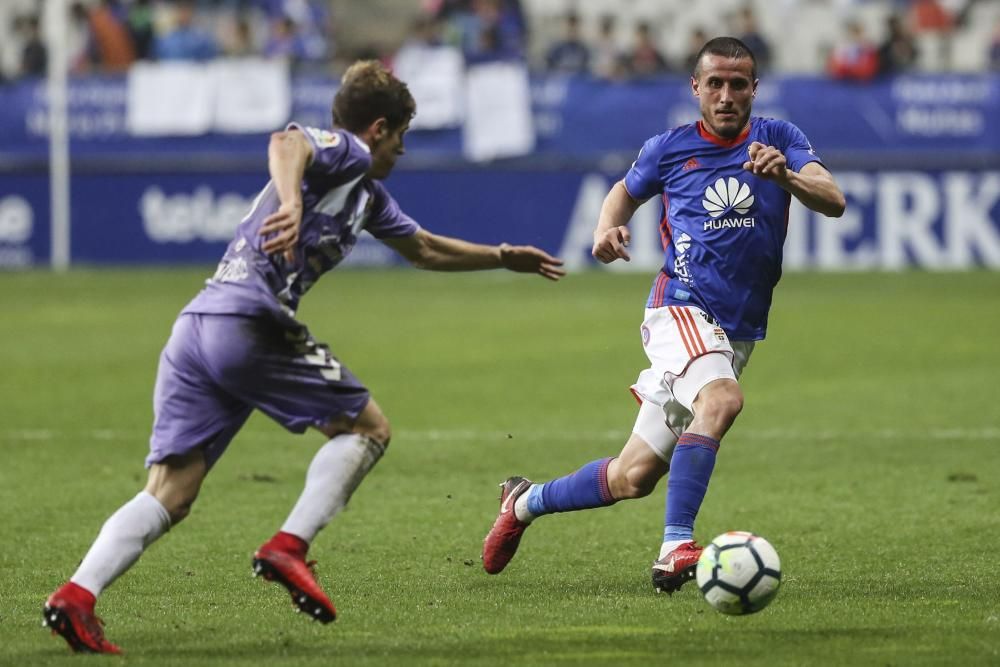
(632, 474)
(355, 446)
(709, 386)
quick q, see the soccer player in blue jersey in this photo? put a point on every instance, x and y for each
(237, 347)
(725, 182)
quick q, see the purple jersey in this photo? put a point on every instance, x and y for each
(338, 200)
(723, 228)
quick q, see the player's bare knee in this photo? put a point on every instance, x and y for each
(179, 512)
(718, 412)
(639, 483)
(379, 431)
(372, 422)
(176, 502)
(630, 480)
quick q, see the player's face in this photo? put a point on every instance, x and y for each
(725, 88)
(386, 149)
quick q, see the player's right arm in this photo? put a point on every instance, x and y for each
(611, 237)
(288, 155)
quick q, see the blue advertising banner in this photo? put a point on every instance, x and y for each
(895, 219)
(930, 115)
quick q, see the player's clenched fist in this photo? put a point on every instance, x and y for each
(611, 245)
(766, 162)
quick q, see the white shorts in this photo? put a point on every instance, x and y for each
(686, 351)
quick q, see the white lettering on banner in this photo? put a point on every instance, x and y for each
(200, 216)
(942, 91)
(16, 226)
(941, 121)
(16, 219)
(969, 228)
(834, 237)
(81, 124)
(893, 220)
(906, 209)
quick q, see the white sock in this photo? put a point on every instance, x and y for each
(521, 510)
(334, 474)
(669, 546)
(123, 538)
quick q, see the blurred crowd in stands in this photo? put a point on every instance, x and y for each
(109, 35)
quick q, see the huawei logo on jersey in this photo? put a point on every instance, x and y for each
(727, 196)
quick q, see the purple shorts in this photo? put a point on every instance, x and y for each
(216, 369)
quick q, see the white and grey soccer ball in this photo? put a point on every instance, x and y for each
(739, 573)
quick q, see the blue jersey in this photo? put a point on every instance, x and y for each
(338, 202)
(722, 228)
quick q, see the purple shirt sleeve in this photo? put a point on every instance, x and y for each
(387, 220)
(334, 151)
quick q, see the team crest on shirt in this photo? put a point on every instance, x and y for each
(728, 201)
(692, 163)
(325, 138)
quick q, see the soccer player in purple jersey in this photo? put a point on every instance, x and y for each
(237, 347)
(726, 183)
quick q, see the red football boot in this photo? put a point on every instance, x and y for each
(501, 542)
(676, 567)
(70, 613)
(282, 559)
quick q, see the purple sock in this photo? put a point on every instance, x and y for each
(690, 469)
(583, 489)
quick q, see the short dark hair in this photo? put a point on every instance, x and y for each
(727, 47)
(368, 91)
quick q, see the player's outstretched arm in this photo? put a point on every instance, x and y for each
(813, 185)
(443, 253)
(288, 154)
(612, 236)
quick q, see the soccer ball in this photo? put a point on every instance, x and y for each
(739, 573)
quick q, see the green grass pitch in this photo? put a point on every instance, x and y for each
(867, 453)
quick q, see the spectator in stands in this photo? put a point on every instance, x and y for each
(311, 19)
(186, 41)
(995, 48)
(695, 42)
(79, 41)
(898, 52)
(11, 48)
(748, 33)
(34, 58)
(854, 58)
(285, 42)
(607, 59)
(424, 39)
(645, 59)
(570, 55)
(488, 30)
(140, 26)
(492, 47)
(111, 44)
(240, 42)
(930, 16)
